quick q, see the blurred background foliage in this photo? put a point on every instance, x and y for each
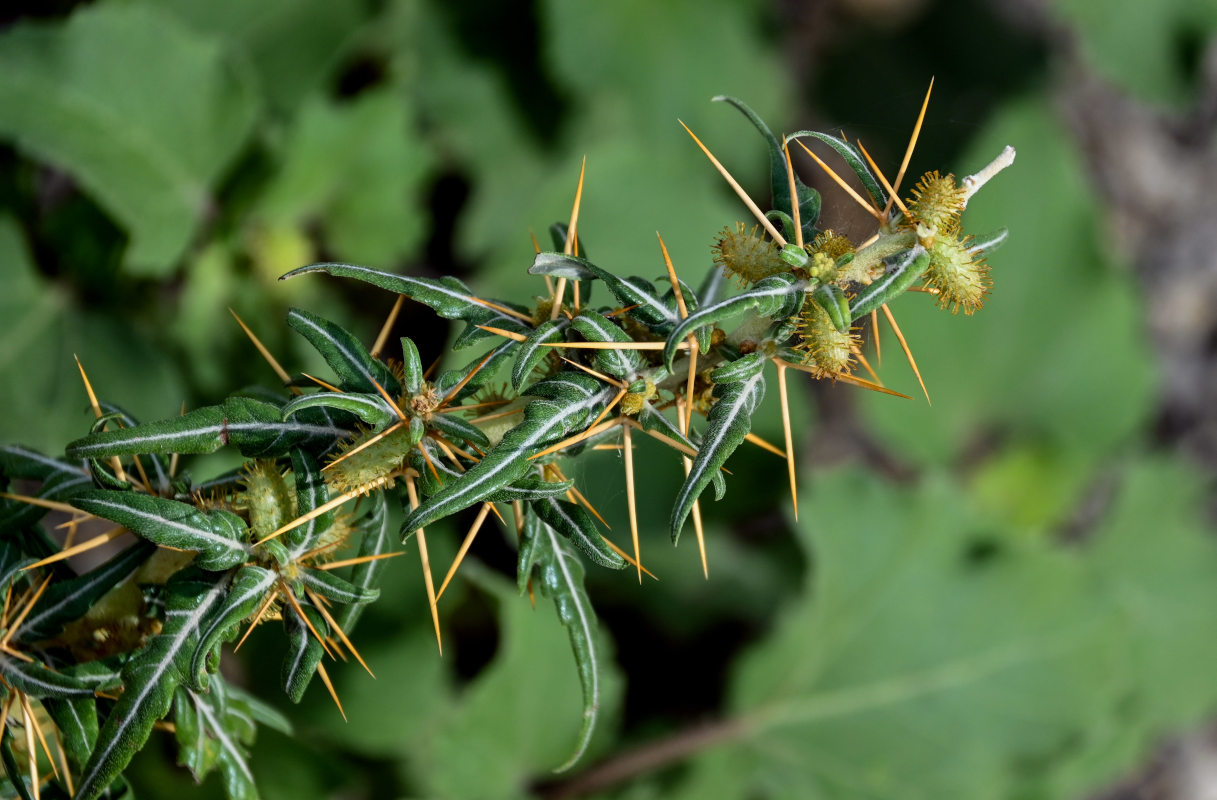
(1011, 593)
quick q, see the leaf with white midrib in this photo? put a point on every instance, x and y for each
(739, 386)
(355, 367)
(150, 679)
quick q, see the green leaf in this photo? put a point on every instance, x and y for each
(220, 537)
(533, 351)
(902, 272)
(76, 719)
(207, 737)
(531, 487)
(15, 774)
(739, 388)
(255, 428)
(853, 158)
(66, 600)
(577, 525)
(779, 179)
(375, 540)
(37, 680)
(456, 428)
(576, 400)
(150, 679)
(144, 113)
(560, 576)
(777, 296)
(372, 409)
(246, 594)
(311, 493)
(303, 651)
(597, 328)
(411, 367)
(332, 587)
(482, 369)
(634, 291)
(447, 296)
(357, 371)
(354, 170)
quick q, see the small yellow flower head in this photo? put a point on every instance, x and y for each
(960, 276)
(826, 348)
(368, 462)
(747, 255)
(937, 203)
(825, 249)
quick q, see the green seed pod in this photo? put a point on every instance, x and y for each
(747, 255)
(959, 273)
(825, 347)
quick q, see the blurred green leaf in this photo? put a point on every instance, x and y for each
(143, 112)
(355, 170)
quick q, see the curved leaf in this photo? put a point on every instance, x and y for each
(365, 577)
(532, 350)
(648, 308)
(247, 593)
(458, 429)
(597, 328)
(150, 678)
(219, 536)
(334, 588)
(37, 680)
(574, 523)
(777, 296)
(906, 268)
(303, 651)
(739, 387)
(357, 371)
(854, 159)
(372, 409)
(311, 493)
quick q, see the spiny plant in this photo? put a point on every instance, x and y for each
(93, 661)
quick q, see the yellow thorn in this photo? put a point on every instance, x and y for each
(583, 500)
(394, 427)
(498, 415)
(511, 312)
(679, 447)
(54, 505)
(764, 445)
(629, 497)
(342, 637)
(519, 337)
(460, 554)
(569, 247)
(270, 359)
(676, 289)
(595, 374)
(739, 190)
(347, 562)
(316, 512)
(908, 152)
(614, 345)
(794, 197)
(427, 458)
(870, 209)
(96, 541)
(41, 737)
(426, 565)
(329, 687)
(843, 377)
(865, 364)
(63, 762)
(628, 558)
(143, 476)
(879, 173)
(874, 326)
(471, 406)
(28, 718)
(270, 598)
(400, 414)
(291, 599)
(698, 528)
(327, 386)
(115, 462)
(383, 336)
(891, 320)
(785, 400)
(12, 628)
(456, 389)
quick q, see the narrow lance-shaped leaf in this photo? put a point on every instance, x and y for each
(652, 420)
(219, 536)
(76, 719)
(15, 774)
(906, 268)
(561, 578)
(355, 367)
(853, 158)
(67, 600)
(151, 677)
(532, 350)
(739, 387)
(370, 408)
(457, 429)
(648, 308)
(247, 593)
(574, 401)
(255, 428)
(303, 651)
(531, 487)
(311, 493)
(376, 540)
(447, 296)
(38, 680)
(809, 199)
(208, 738)
(332, 587)
(777, 296)
(481, 370)
(597, 328)
(574, 523)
